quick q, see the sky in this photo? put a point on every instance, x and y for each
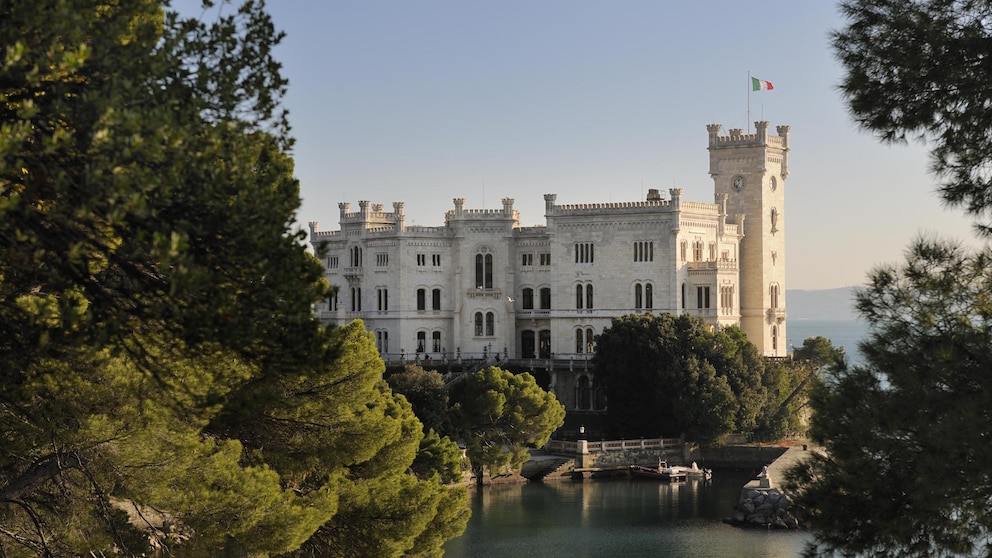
(423, 101)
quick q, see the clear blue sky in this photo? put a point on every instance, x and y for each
(424, 101)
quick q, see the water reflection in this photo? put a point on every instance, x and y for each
(619, 517)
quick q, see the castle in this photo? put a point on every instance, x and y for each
(482, 286)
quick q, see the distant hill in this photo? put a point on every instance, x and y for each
(825, 304)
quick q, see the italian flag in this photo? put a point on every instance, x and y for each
(759, 85)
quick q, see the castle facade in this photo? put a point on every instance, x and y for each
(482, 286)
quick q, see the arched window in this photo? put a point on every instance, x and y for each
(490, 324)
(528, 344)
(421, 341)
(589, 297)
(579, 343)
(684, 249)
(775, 338)
(478, 324)
(436, 341)
(528, 299)
(590, 348)
(421, 299)
(638, 296)
(578, 297)
(484, 271)
(648, 296)
(545, 298)
(356, 299)
(436, 299)
(773, 295)
(683, 296)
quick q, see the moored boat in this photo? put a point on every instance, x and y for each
(662, 472)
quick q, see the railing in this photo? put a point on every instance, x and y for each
(585, 446)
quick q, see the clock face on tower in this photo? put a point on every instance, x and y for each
(737, 183)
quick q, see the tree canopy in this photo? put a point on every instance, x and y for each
(500, 414)
(163, 380)
(668, 375)
(906, 458)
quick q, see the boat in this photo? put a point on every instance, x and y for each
(662, 472)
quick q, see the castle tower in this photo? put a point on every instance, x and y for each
(750, 169)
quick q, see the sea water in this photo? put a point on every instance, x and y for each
(617, 518)
(842, 333)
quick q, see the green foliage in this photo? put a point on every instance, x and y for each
(669, 375)
(919, 69)
(159, 352)
(425, 391)
(500, 414)
(906, 436)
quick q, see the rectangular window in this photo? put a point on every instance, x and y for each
(546, 259)
(436, 260)
(528, 260)
(528, 299)
(332, 262)
(421, 341)
(436, 339)
(436, 299)
(421, 259)
(545, 298)
(584, 252)
(644, 251)
(421, 299)
(382, 295)
(702, 297)
(382, 260)
(382, 341)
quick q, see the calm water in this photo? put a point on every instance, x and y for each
(616, 518)
(842, 333)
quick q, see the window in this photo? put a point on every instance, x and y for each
(381, 260)
(436, 299)
(774, 337)
(643, 296)
(421, 299)
(590, 340)
(726, 300)
(382, 341)
(332, 301)
(332, 262)
(382, 295)
(421, 260)
(584, 340)
(436, 341)
(356, 256)
(546, 258)
(773, 295)
(421, 341)
(683, 248)
(528, 260)
(638, 296)
(583, 301)
(683, 295)
(490, 324)
(579, 342)
(545, 298)
(584, 252)
(702, 297)
(648, 296)
(644, 251)
(478, 324)
(436, 260)
(697, 251)
(528, 299)
(356, 299)
(712, 251)
(484, 271)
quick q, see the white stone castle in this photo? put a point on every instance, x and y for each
(483, 287)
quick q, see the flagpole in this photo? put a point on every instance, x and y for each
(748, 122)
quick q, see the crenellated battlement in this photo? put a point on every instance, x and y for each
(591, 208)
(737, 138)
